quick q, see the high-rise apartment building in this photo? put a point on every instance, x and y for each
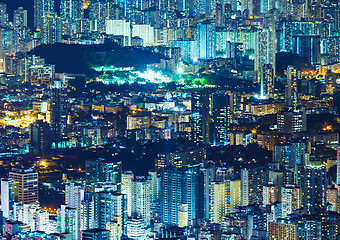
(181, 186)
(208, 170)
(20, 17)
(107, 207)
(67, 221)
(42, 8)
(7, 198)
(252, 182)
(265, 49)
(74, 195)
(155, 186)
(3, 15)
(87, 212)
(207, 40)
(291, 120)
(282, 230)
(291, 199)
(308, 46)
(270, 194)
(217, 201)
(71, 9)
(289, 155)
(232, 195)
(115, 229)
(127, 188)
(141, 199)
(338, 168)
(51, 28)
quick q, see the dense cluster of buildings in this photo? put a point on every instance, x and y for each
(190, 193)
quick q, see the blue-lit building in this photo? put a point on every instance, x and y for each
(101, 170)
(200, 126)
(289, 155)
(42, 8)
(107, 207)
(221, 118)
(308, 46)
(189, 49)
(207, 40)
(181, 186)
(95, 234)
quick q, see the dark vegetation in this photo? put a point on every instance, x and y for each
(283, 60)
(72, 58)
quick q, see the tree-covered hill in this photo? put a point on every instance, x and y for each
(283, 60)
(72, 58)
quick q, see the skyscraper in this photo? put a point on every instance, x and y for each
(155, 186)
(207, 40)
(71, 14)
(289, 155)
(27, 184)
(265, 49)
(314, 187)
(3, 15)
(40, 137)
(141, 199)
(50, 28)
(208, 170)
(308, 47)
(221, 118)
(292, 95)
(270, 194)
(58, 111)
(232, 195)
(291, 120)
(200, 117)
(267, 77)
(115, 229)
(87, 212)
(200, 7)
(172, 181)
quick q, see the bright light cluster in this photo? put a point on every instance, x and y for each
(154, 77)
(21, 123)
